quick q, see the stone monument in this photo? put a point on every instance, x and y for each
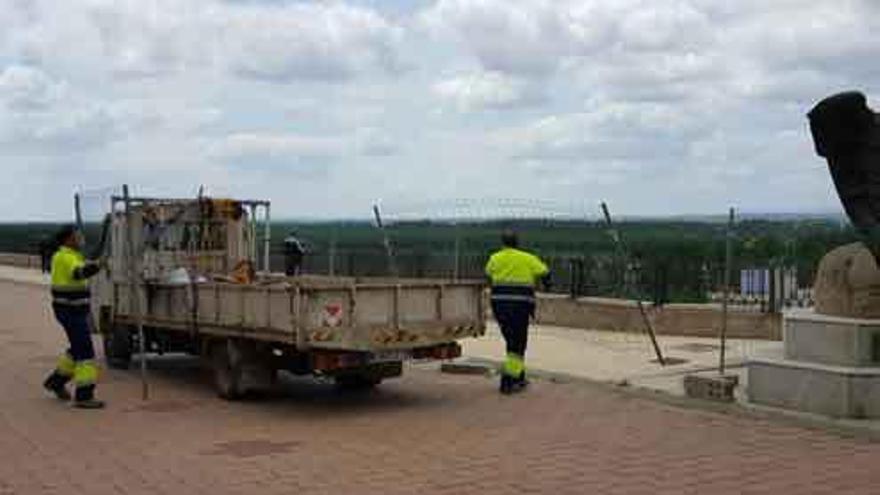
(830, 363)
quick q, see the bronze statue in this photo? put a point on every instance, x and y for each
(846, 132)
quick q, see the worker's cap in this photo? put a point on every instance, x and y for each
(64, 233)
(509, 238)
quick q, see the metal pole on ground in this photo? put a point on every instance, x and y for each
(389, 251)
(624, 256)
(457, 257)
(135, 290)
(267, 241)
(728, 260)
(77, 206)
(331, 262)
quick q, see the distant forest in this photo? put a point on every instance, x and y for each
(684, 257)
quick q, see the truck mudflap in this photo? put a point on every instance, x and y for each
(336, 360)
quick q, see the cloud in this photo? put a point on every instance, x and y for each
(526, 37)
(608, 131)
(478, 90)
(28, 88)
(277, 148)
(658, 105)
(278, 42)
(307, 41)
(42, 112)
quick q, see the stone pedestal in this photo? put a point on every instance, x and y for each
(830, 365)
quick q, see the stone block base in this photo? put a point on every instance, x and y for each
(711, 386)
(837, 391)
(832, 340)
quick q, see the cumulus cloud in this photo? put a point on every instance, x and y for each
(267, 41)
(562, 98)
(479, 90)
(310, 41)
(291, 148)
(28, 88)
(42, 112)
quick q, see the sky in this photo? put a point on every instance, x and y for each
(658, 107)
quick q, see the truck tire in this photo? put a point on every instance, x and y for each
(227, 371)
(117, 347)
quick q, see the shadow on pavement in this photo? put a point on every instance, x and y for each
(185, 376)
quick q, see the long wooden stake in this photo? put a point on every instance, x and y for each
(623, 255)
(135, 290)
(728, 259)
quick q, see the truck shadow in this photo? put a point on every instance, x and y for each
(185, 376)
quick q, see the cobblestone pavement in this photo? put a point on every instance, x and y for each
(427, 433)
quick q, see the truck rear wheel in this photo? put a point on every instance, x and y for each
(117, 346)
(227, 372)
(241, 367)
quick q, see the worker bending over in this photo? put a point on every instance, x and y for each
(514, 274)
(70, 302)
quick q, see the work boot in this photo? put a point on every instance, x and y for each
(85, 398)
(89, 404)
(55, 383)
(520, 383)
(506, 386)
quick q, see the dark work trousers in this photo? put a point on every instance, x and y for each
(75, 321)
(513, 318)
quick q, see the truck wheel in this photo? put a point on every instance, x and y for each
(117, 347)
(227, 371)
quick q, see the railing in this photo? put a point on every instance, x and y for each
(576, 276)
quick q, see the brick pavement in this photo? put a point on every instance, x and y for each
(427, 433)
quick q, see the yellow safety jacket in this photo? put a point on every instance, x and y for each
(514, 274)
(70, 272)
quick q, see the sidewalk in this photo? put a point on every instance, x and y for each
(620, 357)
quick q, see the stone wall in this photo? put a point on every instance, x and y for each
(697, 320)
(20, 260)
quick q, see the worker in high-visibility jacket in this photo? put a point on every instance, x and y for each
(514, 274)
(70, 303)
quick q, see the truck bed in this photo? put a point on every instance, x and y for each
(338, 313)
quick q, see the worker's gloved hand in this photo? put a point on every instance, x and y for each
(546, 283)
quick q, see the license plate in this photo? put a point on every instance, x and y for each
(386, 356)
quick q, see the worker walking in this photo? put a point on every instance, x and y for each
(514, 274)
(70, 302)
(294, 251)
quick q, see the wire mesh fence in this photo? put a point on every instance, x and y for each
(670, 261)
